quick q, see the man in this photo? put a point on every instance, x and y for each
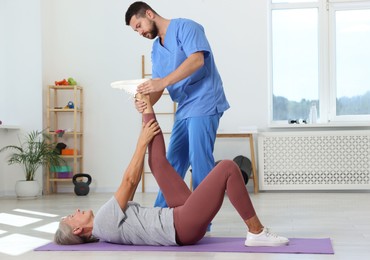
(182, 62)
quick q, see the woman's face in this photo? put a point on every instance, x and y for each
(79, 218)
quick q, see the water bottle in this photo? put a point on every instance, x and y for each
(313, 114)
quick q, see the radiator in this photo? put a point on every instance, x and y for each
(314, 160)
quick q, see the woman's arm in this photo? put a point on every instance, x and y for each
(132, 175)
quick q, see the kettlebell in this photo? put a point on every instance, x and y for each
(81, 187)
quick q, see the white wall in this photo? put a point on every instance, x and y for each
(20, 79)
(88, 40)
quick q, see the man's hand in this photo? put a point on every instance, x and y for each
(152, 85)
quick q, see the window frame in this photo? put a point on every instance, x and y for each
(340, 5)
(326, 61)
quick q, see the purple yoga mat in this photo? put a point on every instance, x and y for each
(209, 244)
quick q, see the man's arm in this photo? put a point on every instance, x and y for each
(155, 96)
(132, 175)
(188, 67)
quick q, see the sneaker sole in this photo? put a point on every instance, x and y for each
(129, 86)
(260, 243)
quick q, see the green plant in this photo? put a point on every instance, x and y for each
(36, 150)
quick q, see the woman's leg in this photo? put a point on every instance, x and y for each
(192, 218)
(173, 187)
(177, 155)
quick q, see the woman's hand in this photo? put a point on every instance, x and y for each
(140, 105)
(148, 131)
(142, 102)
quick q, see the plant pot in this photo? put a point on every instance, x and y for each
(27, 189)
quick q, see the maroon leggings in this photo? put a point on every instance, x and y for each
(193, 211)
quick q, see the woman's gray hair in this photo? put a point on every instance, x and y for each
(64, 236)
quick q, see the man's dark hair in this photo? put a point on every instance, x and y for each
(137, 9)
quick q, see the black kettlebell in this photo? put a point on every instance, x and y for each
(81, 187)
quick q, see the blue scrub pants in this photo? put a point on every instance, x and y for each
(192, 143)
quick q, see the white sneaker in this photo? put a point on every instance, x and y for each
(265, 238)
(129, 86)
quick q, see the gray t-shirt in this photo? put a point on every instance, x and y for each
(135, 225)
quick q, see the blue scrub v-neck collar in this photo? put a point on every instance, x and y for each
(165, 36)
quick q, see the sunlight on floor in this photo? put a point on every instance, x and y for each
(16, 220)
(49, 228)
(17, 244)
(35, 213)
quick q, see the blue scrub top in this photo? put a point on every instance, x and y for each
(201, 93)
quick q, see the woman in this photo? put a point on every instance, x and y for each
(186, 219)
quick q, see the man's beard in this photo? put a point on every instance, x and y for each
(153, 33)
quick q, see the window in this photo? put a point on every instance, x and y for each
(319, 56)
(352, 62)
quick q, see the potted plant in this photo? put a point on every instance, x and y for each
(36, 150)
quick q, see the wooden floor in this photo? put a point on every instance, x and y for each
(342, 216)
